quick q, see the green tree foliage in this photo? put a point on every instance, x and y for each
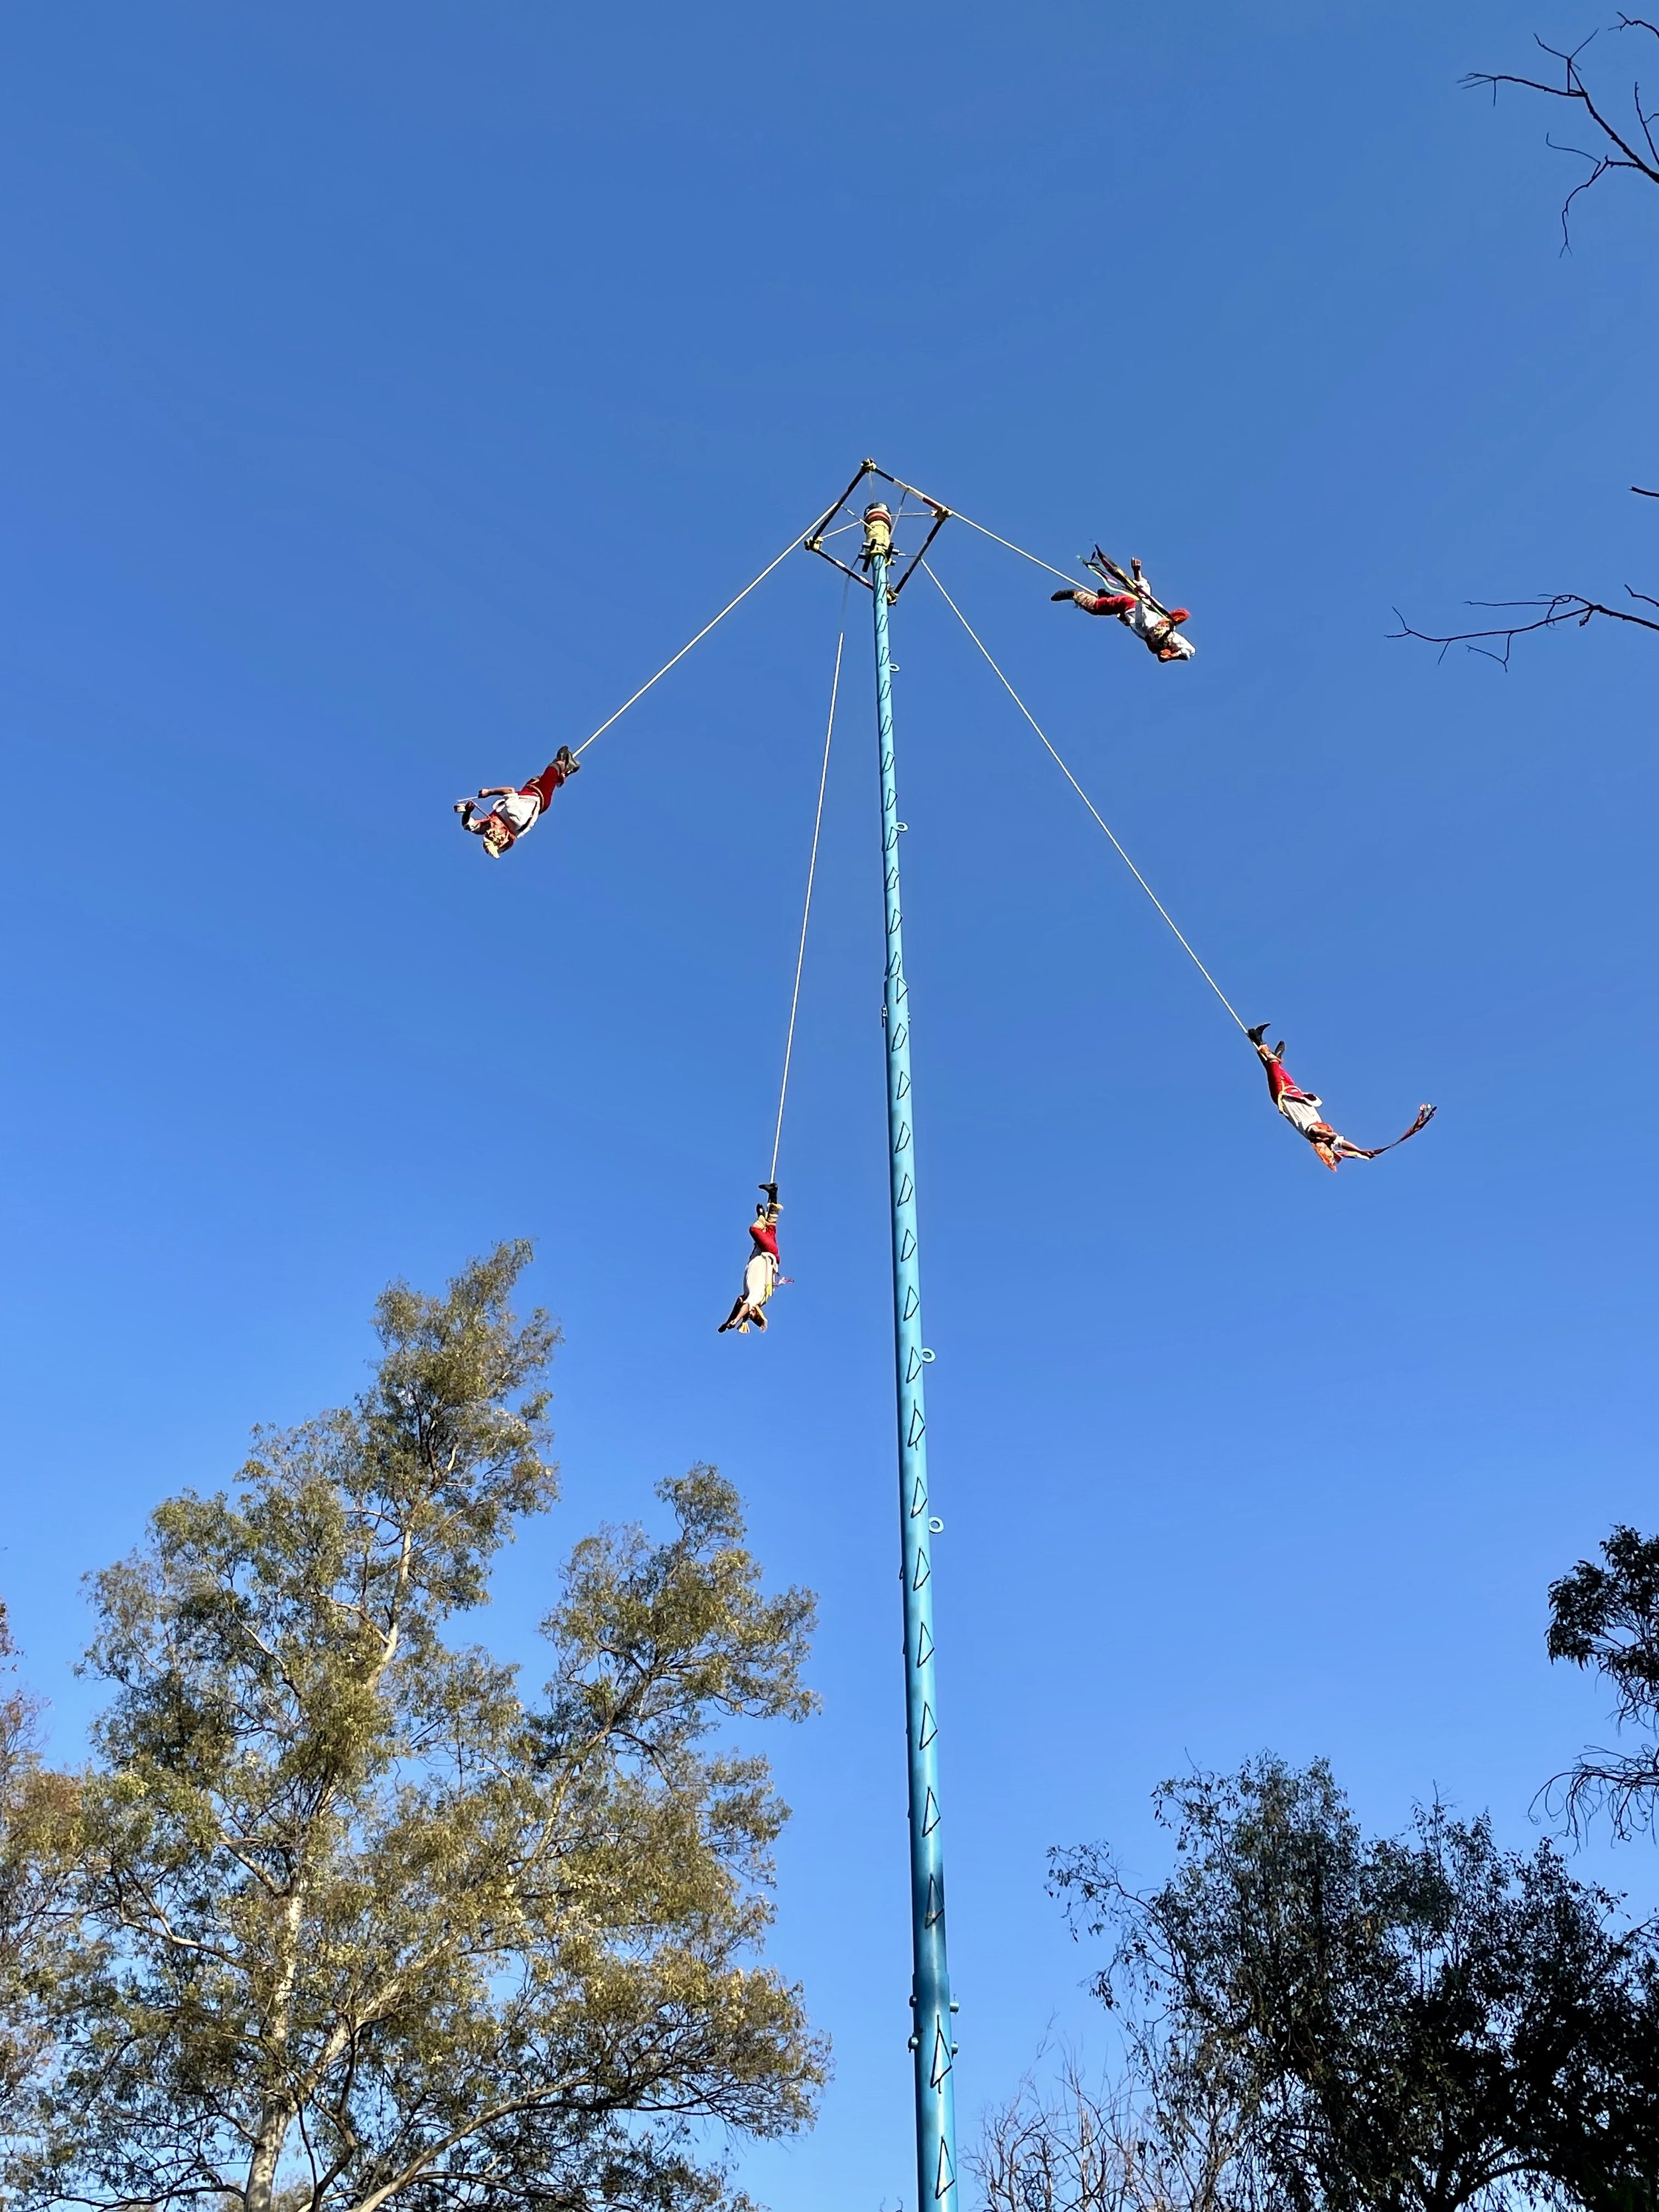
(359, 1926)
(1420, 2023)
(35, 1817)
(16, 1763)
(1605, 1616)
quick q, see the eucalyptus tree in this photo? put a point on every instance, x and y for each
(357, 1923)
(36, 1822)
(1604, 1617)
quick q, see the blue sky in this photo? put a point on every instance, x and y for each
(388, 390)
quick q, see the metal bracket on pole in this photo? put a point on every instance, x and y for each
(941, 516)
(813, 540)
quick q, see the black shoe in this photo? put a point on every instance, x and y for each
(565, 759)
(1068, 594)
(771, 1190)
(1256, 1035)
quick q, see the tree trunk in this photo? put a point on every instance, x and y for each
(276, 2113)
(275, 2121)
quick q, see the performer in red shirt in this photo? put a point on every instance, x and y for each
(517, 807)
(760, 1275)
(1301, 1108)
(1134, 607)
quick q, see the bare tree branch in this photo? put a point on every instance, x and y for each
(1558, 607)
(1621, 150)
(1618, 150)
(1621, 1785)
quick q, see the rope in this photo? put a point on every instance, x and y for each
(1085, 797)
(806, 911)
(686, 648)
(956, 515)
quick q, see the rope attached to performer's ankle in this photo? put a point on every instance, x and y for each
(806, 910)
(1087, 801)
(686, 648)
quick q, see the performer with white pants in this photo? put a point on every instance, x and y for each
(1135, 608)
(761, 1272)
(1304, 1110)
(517, 807)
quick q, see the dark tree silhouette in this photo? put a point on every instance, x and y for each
(1547, 612)
(1617, 145)
(1415, 2023)
(1617, 148)
(1604, 1617)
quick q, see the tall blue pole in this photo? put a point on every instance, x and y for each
(930, 1998)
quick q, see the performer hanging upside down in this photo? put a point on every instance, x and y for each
(760, 1274)
(1301, 1109)
(1130, 598)
(517, 807)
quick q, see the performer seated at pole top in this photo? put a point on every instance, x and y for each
(760, 1275)
(517, 807)
(1301, 1109)
(1130, 598)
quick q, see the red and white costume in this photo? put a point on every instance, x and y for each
(760, 1274)
(1158, 632)
(1302, 1110)
(1305, 1111)
(516, 812)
